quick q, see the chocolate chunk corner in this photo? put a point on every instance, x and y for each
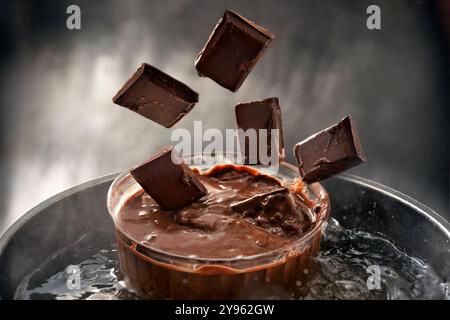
(232, 50)
(257, 115)
(156, 96)
(168, 180)
(329, 152)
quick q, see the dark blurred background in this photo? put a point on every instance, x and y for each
(59, 126)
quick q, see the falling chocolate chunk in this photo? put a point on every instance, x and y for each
(171, 184)
(265, 114)
(329, 152)
(156, 96)
(232, 50)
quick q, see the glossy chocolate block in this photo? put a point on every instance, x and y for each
(232, 50)
(329, 152)
(264, 114)
(156, 96)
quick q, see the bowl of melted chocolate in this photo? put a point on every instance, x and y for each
(253, 234)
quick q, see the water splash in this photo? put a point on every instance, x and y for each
(339, 272)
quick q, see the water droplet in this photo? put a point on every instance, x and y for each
(151, 236)
(142, 213)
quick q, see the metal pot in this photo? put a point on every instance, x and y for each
(355, 202)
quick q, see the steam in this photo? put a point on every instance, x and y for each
(323, 65)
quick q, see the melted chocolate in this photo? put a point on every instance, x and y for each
(210, 227)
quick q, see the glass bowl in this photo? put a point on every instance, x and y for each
(154, 274)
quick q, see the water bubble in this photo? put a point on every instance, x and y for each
(151, 236)
(339, 272)
(142, 213)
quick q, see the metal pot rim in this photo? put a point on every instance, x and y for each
(438, 220)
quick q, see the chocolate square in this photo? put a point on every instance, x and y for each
(171, 184)
(264, 114)
(329, 152)
(156, 96)
(232, 50)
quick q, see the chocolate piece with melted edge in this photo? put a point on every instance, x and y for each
(252, 204)
(329, 152)
(156, 96)
(171, 185)
(275, 209)
(264, 114)
(232, 50)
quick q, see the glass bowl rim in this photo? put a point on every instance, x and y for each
(319, 191)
